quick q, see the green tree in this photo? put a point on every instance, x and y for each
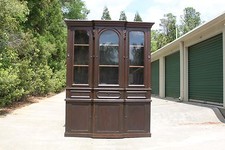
(12, 15)
(32, 48)
(105, 14)
(167, 33)
(189, 20)
(74, 9)
(123, 16)
(154, 36)
(46, 23)
(168, 27)
(137, 17)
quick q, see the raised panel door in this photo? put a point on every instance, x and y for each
(137, 116)
(108, 117)
(78, 118)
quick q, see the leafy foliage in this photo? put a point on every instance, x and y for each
(168, 25)
(169, 30)
(154, 36)
(189, 20)
(32, 47)
(74, 9)
(46, 22)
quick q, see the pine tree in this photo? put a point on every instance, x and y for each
(105, 14)
(137, 17)
(123, 16)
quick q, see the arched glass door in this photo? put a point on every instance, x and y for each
(109, 58)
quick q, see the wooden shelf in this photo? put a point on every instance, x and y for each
(136, 66)
(139, 46)
(107, 45)
(85, 45)
(81, 65)
(108, 65)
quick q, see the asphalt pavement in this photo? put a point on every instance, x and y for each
(174, 126)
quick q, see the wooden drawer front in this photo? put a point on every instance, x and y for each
(80, 94)
(137, 94)
(108, 94)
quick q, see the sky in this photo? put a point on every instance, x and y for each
(154, 10)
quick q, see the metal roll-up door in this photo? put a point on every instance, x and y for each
(205, 73)
(155, 77)
(172, 75)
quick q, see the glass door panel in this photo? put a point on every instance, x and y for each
(136, 75)
(81, 57)
(109, 75)
(109, 55)
(136, 58)
(136, 55)
(80, 75)
(81, 37)
(109, 58)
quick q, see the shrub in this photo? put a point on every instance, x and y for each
(9, 87)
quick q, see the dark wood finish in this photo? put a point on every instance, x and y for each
(108, 92)
(108, 117)
(136, 115)
(78, 119)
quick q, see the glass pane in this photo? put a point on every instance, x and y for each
(109, 55)
(136, 55)
(136, 38)
(81, 37)
(136, 48)
(108, 47)
(81, 75)
(81, 54)
(136, 76)
(109, 75)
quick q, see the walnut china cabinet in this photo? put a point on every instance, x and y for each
(108, 92)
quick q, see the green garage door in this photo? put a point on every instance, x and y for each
(172, 75)
(205, 73)
(155, 77)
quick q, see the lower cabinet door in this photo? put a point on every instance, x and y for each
(108, 119)
(137, 118)
(78, 119)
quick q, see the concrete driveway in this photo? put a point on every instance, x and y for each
(174, 126)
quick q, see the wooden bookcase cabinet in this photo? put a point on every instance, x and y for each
(108, 92)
